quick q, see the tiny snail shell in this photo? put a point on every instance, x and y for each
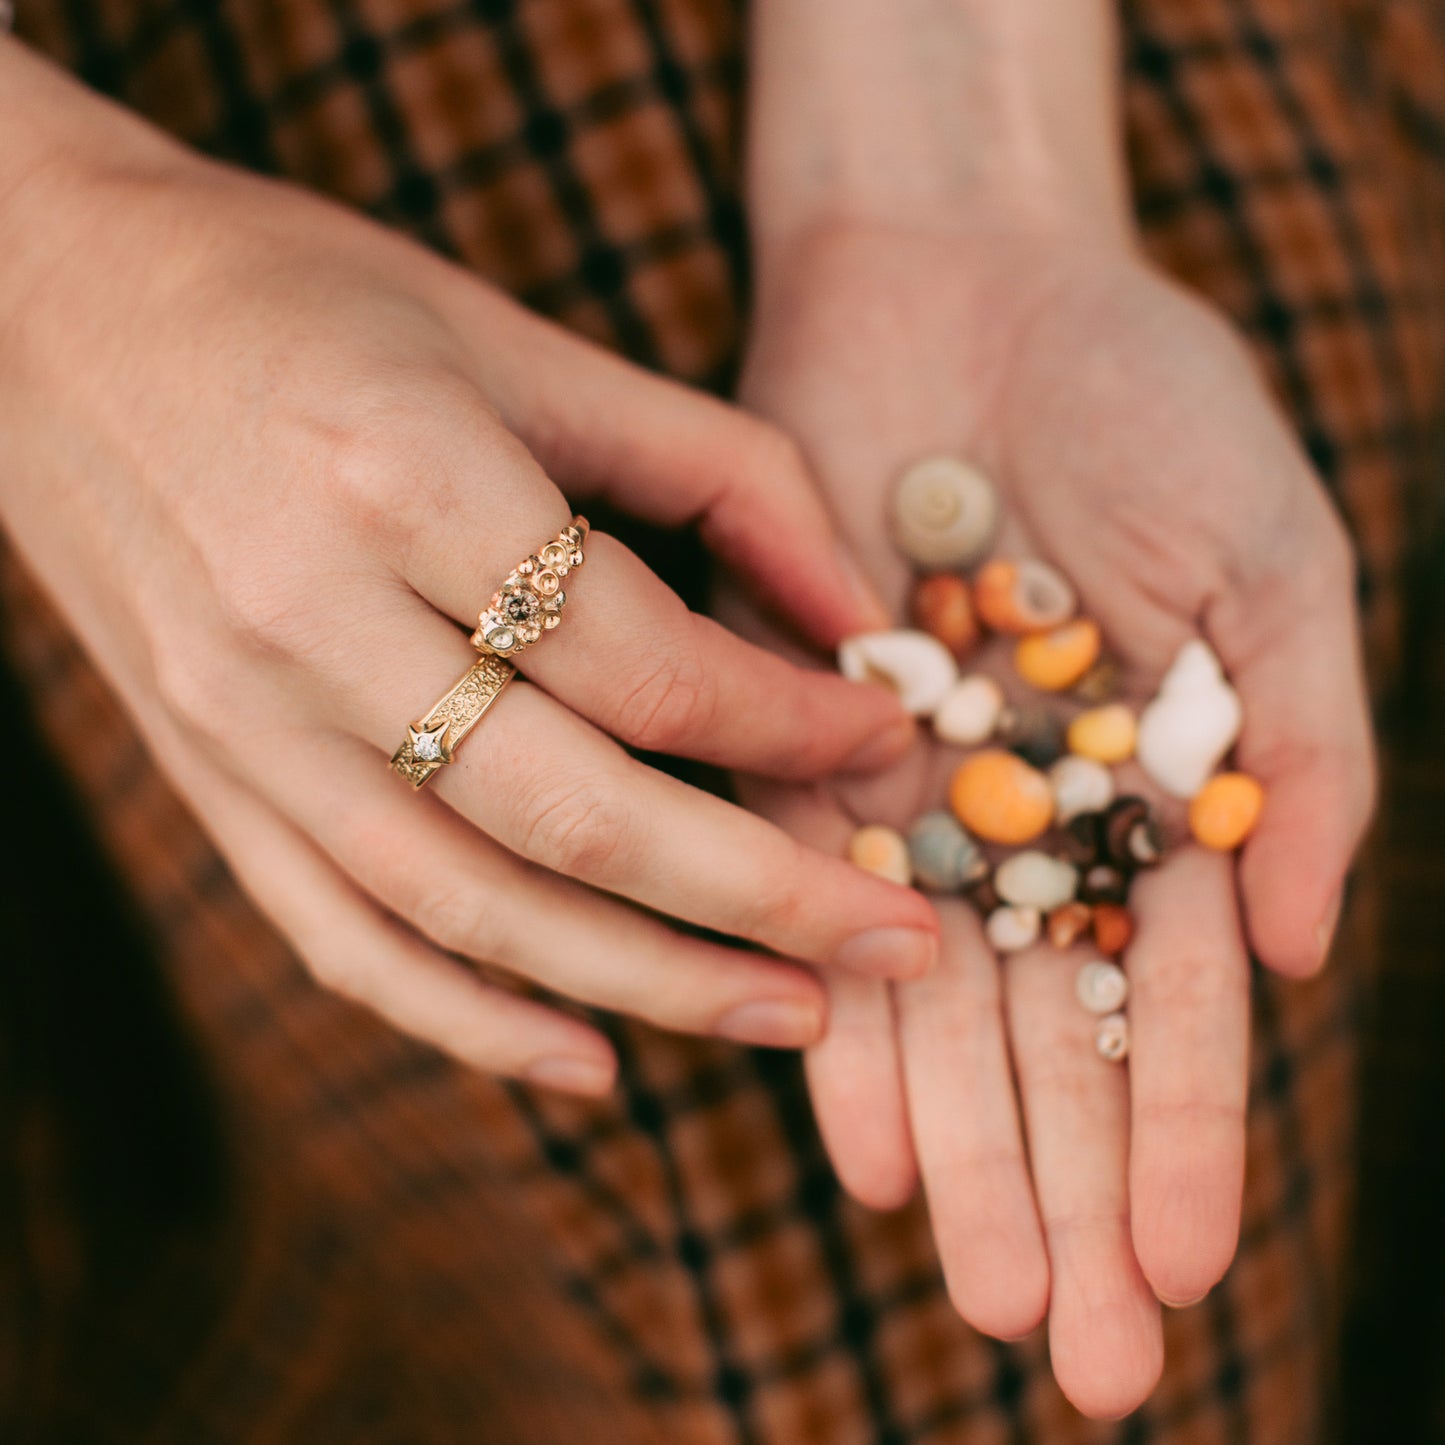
(969, 712)
(1000, 798)
(1191, 724)
(1104, 734)
(1011, 928)
(1101, 987)
(1111, 1037)
(1032, 729)
(919, 668)
(1131, 836)
(944, 857)
(1034, 880)
(942, 606)
(1225, 810)
(1068, 923)
(1023, 596)
(1113, 928)
(1055, 660)
(1080, 786)
(882, 851)
(944, 513)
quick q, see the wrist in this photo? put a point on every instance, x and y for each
(935, 115)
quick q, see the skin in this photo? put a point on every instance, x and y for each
(946, 263)
(270, 460)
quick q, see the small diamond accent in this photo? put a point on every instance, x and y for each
(428, 745)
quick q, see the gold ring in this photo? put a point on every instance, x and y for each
(432, 743)
(530, 601)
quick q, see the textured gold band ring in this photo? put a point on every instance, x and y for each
(530, 601)
(431, 743)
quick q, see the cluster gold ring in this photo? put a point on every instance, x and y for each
(528, 604)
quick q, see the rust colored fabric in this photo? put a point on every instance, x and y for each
(422, 1255)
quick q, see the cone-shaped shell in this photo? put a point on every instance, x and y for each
(1192, 723)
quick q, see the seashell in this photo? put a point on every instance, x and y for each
(1101, 987)
(1024, 596)
(942, 607)
(1113, 928)
(983, 895)
(1104, 734)
(944, 513)
(1225, 810)
(1111, 1037)
(1068, 923)
(1000, 798)
(969, 711)
(1100, 684)
(1103, 883)
(1033, 731)
(1010, 929)
(919, 668)
(944, 857)
(1082, 843)
(1034, 880)
(1131, 836)
(1191, 724)
(1054, 661)
(1080, 786)
(882, 851)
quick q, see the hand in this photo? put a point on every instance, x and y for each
(1137, 450)
(266, 457)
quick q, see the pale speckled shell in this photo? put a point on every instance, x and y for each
(944, 513)
(1111, 1037)
(1011, 928)
(1080, 786)
(969, 711)
(1032, 879)
(1191, 724)
(883, 851)
(1101, 987)
(944, 857)
(919, 668)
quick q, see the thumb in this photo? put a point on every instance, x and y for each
(1290, 642)
(676, 457)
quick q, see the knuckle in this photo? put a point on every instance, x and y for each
(673, 699)
(579, 829)
(457, 918)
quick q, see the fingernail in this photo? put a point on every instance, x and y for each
(1180, 1304)
(889, 953)
(882, 748)
(574, 1076)
(872, 613)
(783, 1023)
(1325, 933)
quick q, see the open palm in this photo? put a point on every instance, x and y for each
(1137, 449)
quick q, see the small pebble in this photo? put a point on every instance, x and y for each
(1080, 785)
(1010, 929)
(943, 856)
(1000, 798)
(1225, 810)
(942, 607)
(1192, 723)
(1111, 1037)
(1067, 924)
(1104, 734)
(1100, 684)
(1032, 729)
(944, 513)
(919, 668)
(1034, 880)
(969, 711)
(1054, 661)
(882, 851)
(1131, 836)
(1104, 883)
(1113, 928)
(1025, 596)
(1101, 987)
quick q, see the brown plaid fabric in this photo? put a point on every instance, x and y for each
(422, 1255)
